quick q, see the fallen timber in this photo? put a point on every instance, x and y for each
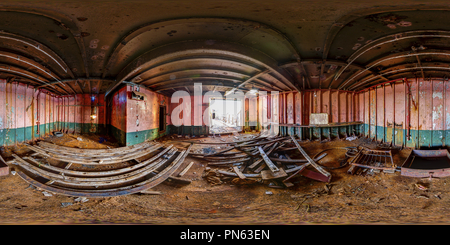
(256, 163)
(221, 143)
(74, 158)
(310, 161)
(81, 151)
(265, 159)
(143, 175)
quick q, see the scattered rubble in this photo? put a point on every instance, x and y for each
(260, 159)
(112, 176)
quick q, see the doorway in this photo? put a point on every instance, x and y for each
(162, 118)
(226, 115)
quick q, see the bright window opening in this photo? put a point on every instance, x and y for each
(226, 115)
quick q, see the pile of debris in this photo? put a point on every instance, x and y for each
(99, 172)
(373, 160)
(259, 159)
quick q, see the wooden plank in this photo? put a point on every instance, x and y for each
(288, 184)
(269, 163)
(4, 168)
(150, 192)
(315, 165)
(267, 174)
(239, 173)
(260, 160)
(186, 169)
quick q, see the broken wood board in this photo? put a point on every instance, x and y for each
(186, 169)
(256, 163)
(150, 192)
(315, 176)
(310, 161)
(239, 173)
(288, 184)
(268, 174)
(4, 168)
(269, 163)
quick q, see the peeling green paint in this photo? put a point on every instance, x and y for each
(417, 139)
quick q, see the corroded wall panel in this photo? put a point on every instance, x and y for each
(342, 105)
(367, 114)
(413, 113)
(373, 112)
(298, 108)
(446, 115)
(26, 113)
(437, 137)
(380, 132)
(290, 108)
(389, 112)
(425, 113)
(334, 107)
(399, 113)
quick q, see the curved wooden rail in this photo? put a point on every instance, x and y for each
(132, 179)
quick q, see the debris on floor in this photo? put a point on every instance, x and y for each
(4, 168)
(241, 187)
(427, 163)
(351, 138)
(379, 160)
(99, 172)
(260, 159)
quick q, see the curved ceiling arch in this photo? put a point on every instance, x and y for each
(245, 32)
(348, 18)
(36, 50)
(396, 57)
(62, 21)
(194, 62)
(97, 43)
(370, 37)
(42, 46)
(372, 48)
(228, 52)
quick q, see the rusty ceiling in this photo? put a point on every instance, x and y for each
(95, 47)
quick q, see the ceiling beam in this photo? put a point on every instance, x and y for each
(391, 38)
(393, 57)
(400, 69)
(195, 47)
(78, 79)
(196, 62)
(248, 80)
(209, 83)
(172, 75)
(40, 48)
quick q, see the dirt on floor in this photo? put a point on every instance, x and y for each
(375, 198)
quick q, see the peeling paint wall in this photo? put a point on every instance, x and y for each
(25, 113)
(142, 116)
(415, 113)
(118, 127)
(132, 120)
(296, 108)
(82, 113)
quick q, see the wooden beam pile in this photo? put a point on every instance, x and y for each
(99, 172)
(257, 159)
